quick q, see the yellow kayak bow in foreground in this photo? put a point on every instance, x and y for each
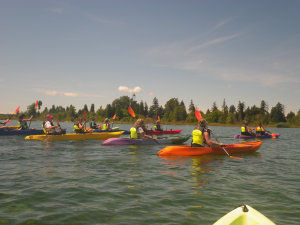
(244, 215)
(74, 136)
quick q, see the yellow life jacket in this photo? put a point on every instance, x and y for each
(104, 126)
(45, 131)
(243, 129)
(155, 127)
(76, 127)
(258, 129)
(134, 134)
(197, 137)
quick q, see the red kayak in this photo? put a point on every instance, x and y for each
(155, 132)
(187, 150)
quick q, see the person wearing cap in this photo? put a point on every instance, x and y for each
(79, 126)
(49, 127)
(245, 130)
(93, 124)
(201, 136)
(106, 124)
(22, 123)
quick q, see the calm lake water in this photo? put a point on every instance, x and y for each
(82, 182)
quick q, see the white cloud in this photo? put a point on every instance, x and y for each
(150, 94)
(70, 94)
(53, 93)
(128, 90)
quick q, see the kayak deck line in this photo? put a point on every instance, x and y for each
(75, 136)
(244, 215)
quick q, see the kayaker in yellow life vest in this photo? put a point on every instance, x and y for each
(49, 127)
(201, 136)
(79, 126)
(137, 131)
(260, 130)
(22, 123)
(245, 130)
(106, 125)
(157, 126)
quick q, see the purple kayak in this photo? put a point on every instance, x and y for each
(276, 135)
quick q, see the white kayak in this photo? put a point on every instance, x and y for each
(244, 215)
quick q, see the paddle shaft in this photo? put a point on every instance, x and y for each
(219, 142)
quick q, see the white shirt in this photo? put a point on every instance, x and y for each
(47, 125)
(140, 130)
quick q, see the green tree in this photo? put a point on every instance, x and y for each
(192, 108)
(214, 107)
(92, 108)
(85, 108)
(277, 113)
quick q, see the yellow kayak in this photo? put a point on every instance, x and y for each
(244, 215)
(74, 136)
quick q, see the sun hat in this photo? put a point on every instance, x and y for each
(49, 116)
(106, 119)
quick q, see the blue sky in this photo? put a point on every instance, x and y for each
(83, 52)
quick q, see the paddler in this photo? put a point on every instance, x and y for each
(245, 130)
(158, 126)
(201, 136)
(106, 124)
(79, 126)
(93, 124)
(22, 123)
(5, 127)
(137, 131)
(49, 127)
(260, 130)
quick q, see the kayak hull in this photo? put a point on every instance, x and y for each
(155, 132)
(129, 141)
(105, 131)
(74, 136)
(256, 136)
(244, 214)
(21, 132)
(187, 150)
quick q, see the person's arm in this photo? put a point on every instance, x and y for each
(264, 130)
(28, 119)
(80, 126)
(209, 141)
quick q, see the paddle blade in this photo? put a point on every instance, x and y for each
(7, 122)
(17, 110)
(235, 157)
(36, 104)
(130, 110)
(114, 116)
(158, 117)
(84, 113)
(198, 114)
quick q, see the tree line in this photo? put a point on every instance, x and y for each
(172, 112)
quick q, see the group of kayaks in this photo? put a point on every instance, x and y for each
(175, 149)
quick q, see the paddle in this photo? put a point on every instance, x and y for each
(17, 110)
(36, 104)
(198, 116)
(113, 119)
(224, 148)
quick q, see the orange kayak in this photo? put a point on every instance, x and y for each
(187, 150)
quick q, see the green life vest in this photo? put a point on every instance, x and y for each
(22, 124)
(258, 129)
(76, 127)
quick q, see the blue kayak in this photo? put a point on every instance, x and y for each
(20, 132)
(104, 131)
